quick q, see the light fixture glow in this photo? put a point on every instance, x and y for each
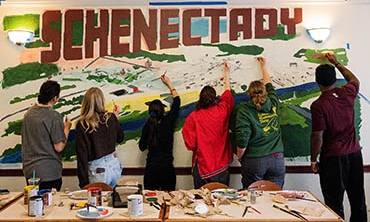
(20, 37)
(319, 35)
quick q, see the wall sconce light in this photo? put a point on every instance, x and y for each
(319, 35)
(20, 37)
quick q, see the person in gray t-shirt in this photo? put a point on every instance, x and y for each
(44, 136)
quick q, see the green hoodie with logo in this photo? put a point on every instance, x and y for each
(259, 131)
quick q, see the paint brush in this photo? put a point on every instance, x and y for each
(290, 212)
(257, 211)
(245, 210)
(160, 76)
(302, 198)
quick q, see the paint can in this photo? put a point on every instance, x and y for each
(29, 191)
(135, 205)
(95, 196)
(47, 195)
(36, 206)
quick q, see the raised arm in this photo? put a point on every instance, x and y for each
(265, 75)
(59, 147)
(227, 76)
(168, 83)
(347, 74)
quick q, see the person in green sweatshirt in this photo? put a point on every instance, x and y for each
(258, 134)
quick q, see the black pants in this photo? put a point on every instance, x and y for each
(57, 184)
(344, 173)
(223, 177)
(160, 178)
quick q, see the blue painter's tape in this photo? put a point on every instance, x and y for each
(188, 3)
(348, 45)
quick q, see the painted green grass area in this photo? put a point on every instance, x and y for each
(294, 123)
(22, 22)
(12, 150)
(75, 101)
(291, 117)
(26, 72)
(34, 95)
(230, 49)
(310, 55)
(105, 78)
(153, 56)
(13, 127)
(280, 35)
(69, 152)
(117, 78)
(18, 99)
(73, 79)
(37, 44)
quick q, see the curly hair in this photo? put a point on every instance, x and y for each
(257, 93)
(207, 98)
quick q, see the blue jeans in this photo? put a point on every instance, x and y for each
(270, 168)
(106, 169)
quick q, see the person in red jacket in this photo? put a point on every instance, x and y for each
(206, 133)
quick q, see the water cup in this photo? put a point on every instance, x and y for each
(135, 205)
(34, 181)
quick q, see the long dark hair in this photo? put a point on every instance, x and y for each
(207, 98)
(156, 112)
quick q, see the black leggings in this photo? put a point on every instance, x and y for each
(160, 178)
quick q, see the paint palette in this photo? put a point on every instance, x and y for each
(227, 193)
(94, 213)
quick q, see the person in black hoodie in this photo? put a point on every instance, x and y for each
(157, 138)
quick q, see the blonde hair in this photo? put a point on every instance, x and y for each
(93, 110)
(257, 93)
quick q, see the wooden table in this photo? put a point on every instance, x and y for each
(10, 198)
(18, 211)
(264, 205)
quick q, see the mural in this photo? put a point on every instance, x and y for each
(124, 51)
